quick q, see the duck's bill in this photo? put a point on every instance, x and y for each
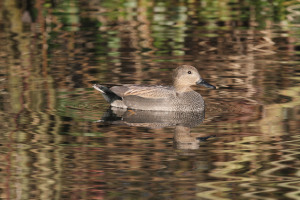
(205, 84)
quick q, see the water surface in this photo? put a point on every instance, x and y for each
(55, 144)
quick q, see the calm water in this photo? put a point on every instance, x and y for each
(60, 140)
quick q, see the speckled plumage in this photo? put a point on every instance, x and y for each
(179, 97)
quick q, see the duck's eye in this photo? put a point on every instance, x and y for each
(189, 72)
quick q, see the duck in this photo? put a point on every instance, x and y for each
(178, 97)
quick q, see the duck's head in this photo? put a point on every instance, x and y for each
(186, 75)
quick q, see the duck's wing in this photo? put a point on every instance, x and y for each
(149, 92)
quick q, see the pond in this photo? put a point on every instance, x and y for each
(61, 140)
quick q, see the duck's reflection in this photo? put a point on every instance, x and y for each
(182, 121)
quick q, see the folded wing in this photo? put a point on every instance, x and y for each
(149, 92)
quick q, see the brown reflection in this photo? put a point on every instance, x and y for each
(182, 121)
(183, 138)
(53, 50)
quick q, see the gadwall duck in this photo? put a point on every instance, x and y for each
(179, 97)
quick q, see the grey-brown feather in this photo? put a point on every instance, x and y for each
(179, 97)
(153, 98)
(152, 92)
(187, 101)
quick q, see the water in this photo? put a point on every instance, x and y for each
(55, 144)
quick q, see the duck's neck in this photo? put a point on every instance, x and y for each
(182, 88)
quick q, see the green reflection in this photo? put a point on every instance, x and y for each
(52, 52)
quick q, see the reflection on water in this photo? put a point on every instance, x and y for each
(182, 121)
(153, 119)
(54, 147)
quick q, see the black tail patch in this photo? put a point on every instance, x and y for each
(108, 95)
